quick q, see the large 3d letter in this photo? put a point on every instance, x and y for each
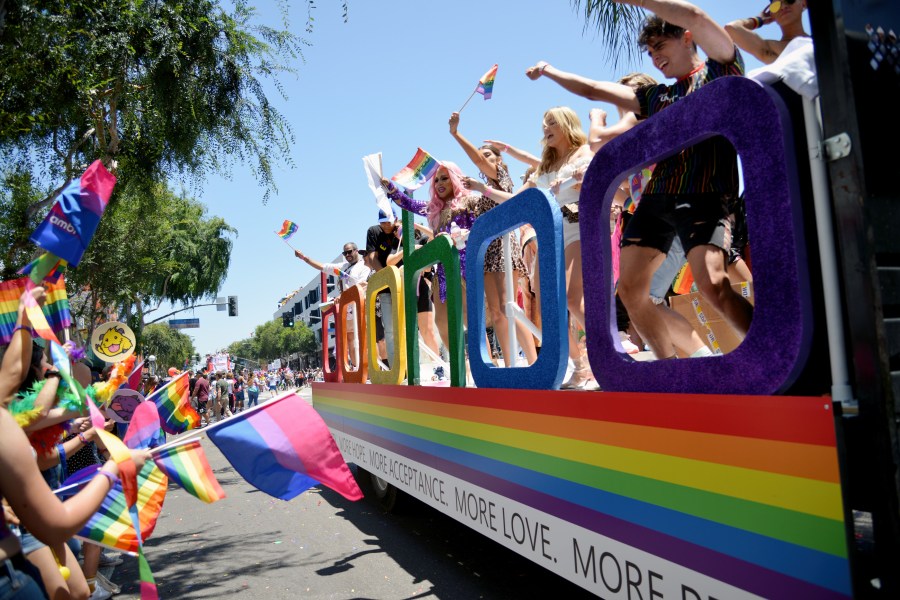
(755, 121)
(440, 250)
(387, 278)
(330, 314)
(354, 296)
(531, 206)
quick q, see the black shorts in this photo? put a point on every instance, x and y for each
(698, 219)
(424, 303)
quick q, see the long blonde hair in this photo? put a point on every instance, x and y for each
(571, 125)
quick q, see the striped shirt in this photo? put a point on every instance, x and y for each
(708, 166)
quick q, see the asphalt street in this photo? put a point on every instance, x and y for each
(319, 545)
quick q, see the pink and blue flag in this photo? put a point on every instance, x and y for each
(284, 448)
(486, 83)
(420, 169)
(69, 226)
(144, 428)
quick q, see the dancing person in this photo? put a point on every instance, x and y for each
(495, 176)
(382, 242)
(689, 194)
(351, 272)
(450, 203)
(788, 16)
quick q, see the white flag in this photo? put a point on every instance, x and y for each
(372, 165)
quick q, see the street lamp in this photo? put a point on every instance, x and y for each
(152, 360)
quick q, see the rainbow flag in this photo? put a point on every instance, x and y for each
(187, 466)
(111, 525)
(288, 228)
(56, 308)
(284, 448)
(69, 226)
(684, 281)
(45, 266)
(420, 169)
(176, 414)
(486, 83)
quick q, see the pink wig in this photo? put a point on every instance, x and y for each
(436, 205)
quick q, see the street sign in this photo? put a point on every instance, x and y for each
(221, 304)
(184, 323)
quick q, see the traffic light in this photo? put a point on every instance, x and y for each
(287, 320)
(232, 306)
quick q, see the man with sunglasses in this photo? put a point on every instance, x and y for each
(689, 194)
(788, 14)
(350, 272)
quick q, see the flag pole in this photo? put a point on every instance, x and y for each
(286, 242)
(178, 442)
(467, 99)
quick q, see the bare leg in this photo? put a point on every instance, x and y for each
(739, 271)
(708, 264)
(495, 293)
(637, 264)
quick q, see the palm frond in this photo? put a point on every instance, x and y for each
(617, 25)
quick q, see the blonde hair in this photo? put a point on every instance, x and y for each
(637, 80)
(566, 118)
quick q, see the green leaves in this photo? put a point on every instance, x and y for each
(617, 24)
(271, 341)
(171, 347)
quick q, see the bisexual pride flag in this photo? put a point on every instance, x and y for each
(420, 169)
(284, 448)
(486, 83)
(68, 228)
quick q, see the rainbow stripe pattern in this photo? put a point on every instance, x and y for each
(741, 489)
(176, 415)
(187, 466)
(684, 281)
(288, 228)
(111, 525)
(486, 83)
(420, 169)
(56, 308)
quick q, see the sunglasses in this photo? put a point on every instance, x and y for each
(348, 252)
(774, 7)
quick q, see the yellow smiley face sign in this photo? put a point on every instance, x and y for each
(113, 342)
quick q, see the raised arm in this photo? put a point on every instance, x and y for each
(742, 33)
(404, 201)
(310, 261)
(17, 359)
(599, 134)
(603, 91)
(471, 151)
(520, 155)
(709, 35)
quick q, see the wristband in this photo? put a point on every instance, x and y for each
(757, 22)
(30, 330)
(544, 66)
(112, 478)
(49, 373)
(82, 439)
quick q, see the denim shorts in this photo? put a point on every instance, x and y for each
(20, 580)
(29, 542)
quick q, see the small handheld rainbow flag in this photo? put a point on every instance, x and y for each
(187, 466)
(176, 414)
(420, 169)
(288, 228)
(684, 281)
(486, 83)
(111, 525)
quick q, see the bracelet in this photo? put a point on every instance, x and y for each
(56, 374)
(112, 478)
(757, 23)
(82, 439)
(544, 66)
(30, 330)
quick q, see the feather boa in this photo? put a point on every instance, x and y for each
(104, 389)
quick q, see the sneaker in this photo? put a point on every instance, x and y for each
(627, 345)
(110, 560)
(100, 593)
(106, 584)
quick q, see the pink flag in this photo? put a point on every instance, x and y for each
(143, 430)
(134, 379)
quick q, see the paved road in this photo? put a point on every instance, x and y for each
(320, 545)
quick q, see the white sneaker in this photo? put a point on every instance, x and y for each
(100, 593)
(106, 584)
(110, 560)
(627, 345)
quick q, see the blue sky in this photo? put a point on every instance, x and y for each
(387, 80)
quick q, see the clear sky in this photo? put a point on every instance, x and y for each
(387, 80)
